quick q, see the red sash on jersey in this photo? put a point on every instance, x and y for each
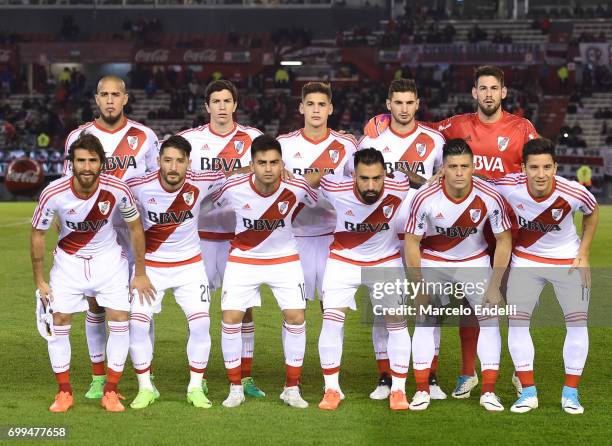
(350, 239)
(236, 146)
(441, 242)
(130, 145)
(420, 148)
(101, 210)
(330, 158)
(560, 209)
(251, 238)
(157, 234)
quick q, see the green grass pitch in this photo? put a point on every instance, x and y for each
(28, 386)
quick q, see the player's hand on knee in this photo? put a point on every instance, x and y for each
(44, 291)
(493, 297)
(143, 286)
(581, 263)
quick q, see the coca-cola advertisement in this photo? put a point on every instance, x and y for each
(181, 56)
(24, 176)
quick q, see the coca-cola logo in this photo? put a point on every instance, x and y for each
(24, 175)
(200, 56)
(152, 56)
(5, 55)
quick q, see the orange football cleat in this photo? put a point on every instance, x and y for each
(331, 400)
(110, 401)
(63, 402)
(398, 401)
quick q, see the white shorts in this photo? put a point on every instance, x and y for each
(242, 282)
(314, 252)
(188, 284)
(342, 279)
(476, 272)
(214, 253)
(104, 277)
(527, 280)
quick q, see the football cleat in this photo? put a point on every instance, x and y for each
(491, 402)
(155, 391)
(63, 402)
(110, 401)
(516, 382)
(251, 389)
(398, 401)
(331, 400)
(527, 401)
(235, 397)
(464, 386)
(420, 401)
(570, 401)
(197, 398)
(145, 398)
(291, 396)
(383, 389)
(435, 391)
(96, 388)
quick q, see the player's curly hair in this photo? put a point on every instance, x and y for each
(489, 70)
(88, 142)
(220, 85)
(456, 146)
(369, 156)
(539, 146)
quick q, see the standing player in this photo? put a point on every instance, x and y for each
(548, 249)
(264, 251)
(445, 234)
(170, 201)
(413, 148)
(131, 149)
(497, 138)
(316, 148)
(88, 262)
(365, 238)
(223, 145)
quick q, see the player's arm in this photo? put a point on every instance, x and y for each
(416, 181)
(501, 258)
(589, 225)
(412, 252)
(314, 178)
(37, 255)
(140, 282)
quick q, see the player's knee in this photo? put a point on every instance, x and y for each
(294, 317)
(93, 306)
(62, 319)
(117, 315)
(248, 316)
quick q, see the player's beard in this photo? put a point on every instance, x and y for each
(406, 121)
(173, 182)
(111, 120)
(489, 111)
(369, 196)
(89, 181)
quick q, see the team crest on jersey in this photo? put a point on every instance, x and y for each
(188, 197)
(557, 214)
(502, 143)
(239, 146)
(132, 142)
(421, 149)
(104, 207)
(388, 211)
(283, 207)
(475, 215)
(334, 155)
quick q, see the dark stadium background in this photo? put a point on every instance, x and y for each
(557, 56)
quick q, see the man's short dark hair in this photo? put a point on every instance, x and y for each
(489, 70)
(369, 156)
(316, 87)
(263, 143)
(539, 146)
(88, 142)
(220, 85)
(402, 86)
(176, 142)
(456, 146)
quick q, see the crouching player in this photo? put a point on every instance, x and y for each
(548, 250)
(264, 251)
(367, 207)
(447, 219)
(88, 262)
(169, 199)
